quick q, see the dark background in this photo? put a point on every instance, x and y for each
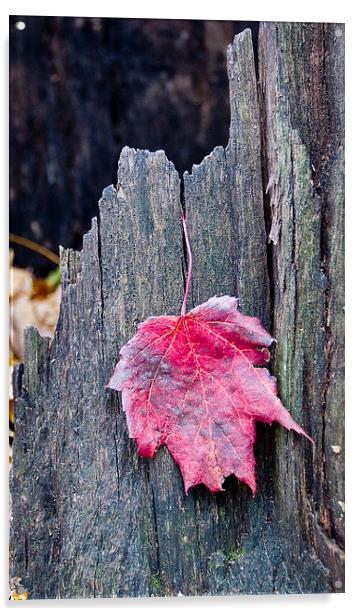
(82, 88)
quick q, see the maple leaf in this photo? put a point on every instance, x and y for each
(196, 384)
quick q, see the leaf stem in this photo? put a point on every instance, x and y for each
(188, 280)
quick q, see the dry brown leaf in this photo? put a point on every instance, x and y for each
(42, 311)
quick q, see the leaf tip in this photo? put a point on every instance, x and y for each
(298, 429)
(110, 384)
(250, 482)
(310, 439)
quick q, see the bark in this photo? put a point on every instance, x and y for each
(89, 517)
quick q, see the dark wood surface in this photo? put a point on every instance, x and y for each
(265, 217)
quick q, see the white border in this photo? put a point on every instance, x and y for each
(306, 10)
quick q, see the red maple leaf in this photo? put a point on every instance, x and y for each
(194, 383)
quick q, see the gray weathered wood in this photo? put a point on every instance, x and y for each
(89, 517)
(302, 98)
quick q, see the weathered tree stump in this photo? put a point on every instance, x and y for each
(89, 517)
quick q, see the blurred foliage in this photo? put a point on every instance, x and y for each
(32, 301)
